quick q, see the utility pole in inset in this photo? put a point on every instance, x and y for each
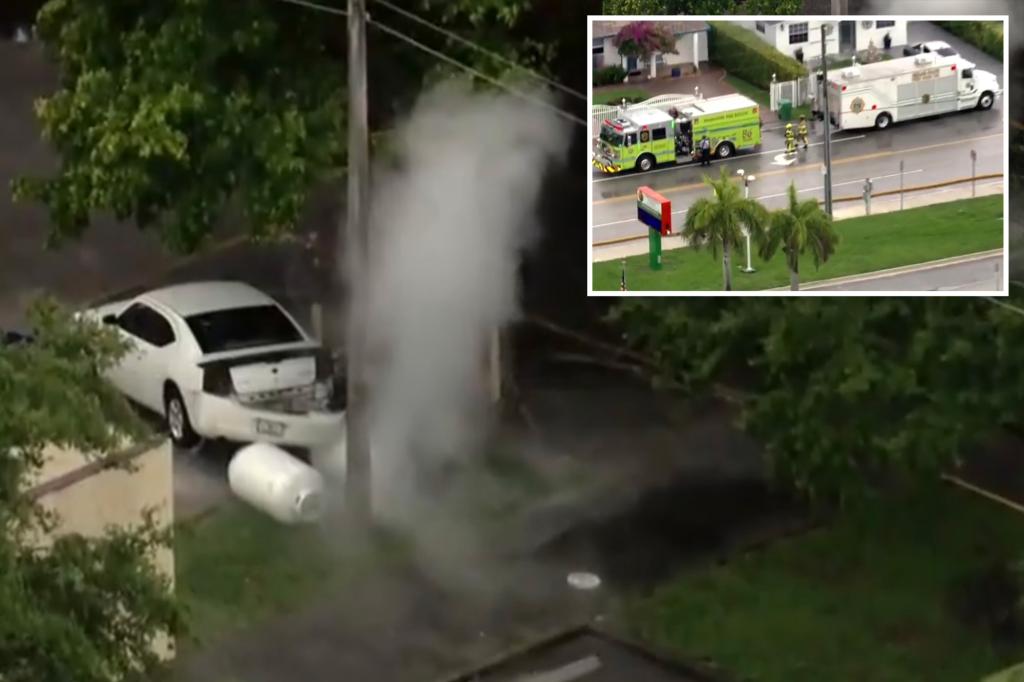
(358, 486)
(825, 29)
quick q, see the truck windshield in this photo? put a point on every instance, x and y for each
(609, 135)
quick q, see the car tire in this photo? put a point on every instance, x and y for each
(986, 101)
(645, 163)
(725, 150)
(883, 122)
(179, 426)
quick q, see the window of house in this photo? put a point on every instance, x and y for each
(598, 45)
(885, 24)
(759, 25)
(798, 33)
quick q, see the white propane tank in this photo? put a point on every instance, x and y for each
(277, 483)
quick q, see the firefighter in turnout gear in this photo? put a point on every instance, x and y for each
(801, 132)
(790, 141)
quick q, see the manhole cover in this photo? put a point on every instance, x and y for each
(584, 581)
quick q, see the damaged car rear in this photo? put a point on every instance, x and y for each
(223, 360)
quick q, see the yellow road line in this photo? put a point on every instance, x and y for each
(816, 167)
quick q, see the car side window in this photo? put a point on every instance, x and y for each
(147, 324)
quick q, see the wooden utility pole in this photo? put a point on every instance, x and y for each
(358, 487)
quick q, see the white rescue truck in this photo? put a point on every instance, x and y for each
(880, 94)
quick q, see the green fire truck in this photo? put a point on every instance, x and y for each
(642, 139)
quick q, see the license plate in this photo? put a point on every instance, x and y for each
(269, 428)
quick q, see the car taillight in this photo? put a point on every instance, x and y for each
(217, 380)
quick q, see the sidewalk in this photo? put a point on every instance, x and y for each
(842, 211)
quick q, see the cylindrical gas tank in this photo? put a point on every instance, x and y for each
(277, 483)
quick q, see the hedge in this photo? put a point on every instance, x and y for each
(987, 36)
(743, 54)
(609, 75)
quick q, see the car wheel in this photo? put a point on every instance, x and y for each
(883, 121)
(985, 101)
(176, 417)
(645, 162)
(724, 150)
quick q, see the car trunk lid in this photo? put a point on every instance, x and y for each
(273, 374)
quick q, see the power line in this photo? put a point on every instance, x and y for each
(315, 6)
(479, 74)
(479, 48)
(443, 57)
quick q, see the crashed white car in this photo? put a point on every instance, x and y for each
(224, 360)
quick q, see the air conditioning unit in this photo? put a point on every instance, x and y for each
(851, 73)
(922, 60)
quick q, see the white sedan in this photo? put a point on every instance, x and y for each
(938, 46)
(224, 360)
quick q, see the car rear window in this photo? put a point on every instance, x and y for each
(236, 328)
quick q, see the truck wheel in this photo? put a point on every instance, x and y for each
(178, 423)
(645, 163)
(985, 101)
(883, 121)
(724, 150)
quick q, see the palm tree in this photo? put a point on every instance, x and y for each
(797, 229)
(719, 222)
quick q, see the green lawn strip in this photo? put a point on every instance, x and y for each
(865, 598)
(237, 566)
(614, 97)
(868, 243)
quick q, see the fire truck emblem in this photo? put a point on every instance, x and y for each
(857, 105)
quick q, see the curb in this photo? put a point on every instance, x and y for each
(899, 270)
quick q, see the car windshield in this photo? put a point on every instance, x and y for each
(609, 135)
(946, 51)
(237, 328)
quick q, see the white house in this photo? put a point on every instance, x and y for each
(802, 39)
(691, 47)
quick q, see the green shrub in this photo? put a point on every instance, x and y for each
(742, 54)
(987, 36)
(609, 75)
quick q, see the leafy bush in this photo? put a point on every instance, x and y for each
(740, 52)
(984, 35)
(609, 75)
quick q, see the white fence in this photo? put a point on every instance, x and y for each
(599, 112)
(800, 91)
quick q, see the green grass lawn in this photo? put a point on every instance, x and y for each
(613, 97)
(867, 244)
(862, 599)
(237, 567)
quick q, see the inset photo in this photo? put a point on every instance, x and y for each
(808, 155)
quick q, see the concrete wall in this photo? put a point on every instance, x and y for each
(89, 497)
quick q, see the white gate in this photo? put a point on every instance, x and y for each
(799, 92)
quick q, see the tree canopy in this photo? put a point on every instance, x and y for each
(84, 609)
(169, 113)
(845, 393)
(702, 6)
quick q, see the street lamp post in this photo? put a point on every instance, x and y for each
(747, 179)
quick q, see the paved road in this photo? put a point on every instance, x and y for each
(932, 151)
(983, 274)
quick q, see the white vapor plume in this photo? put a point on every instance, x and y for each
(448, 230)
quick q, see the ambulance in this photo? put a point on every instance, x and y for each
(928, 84)
(642, 139)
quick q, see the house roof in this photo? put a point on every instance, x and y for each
(606, 29)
